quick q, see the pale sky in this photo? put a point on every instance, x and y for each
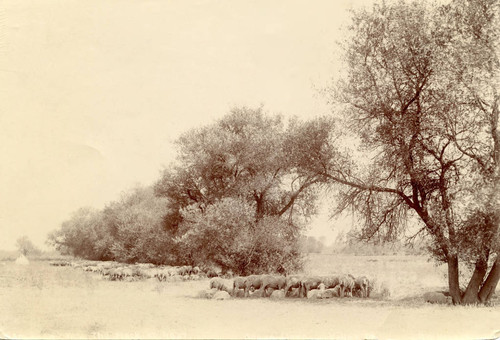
(93, 92)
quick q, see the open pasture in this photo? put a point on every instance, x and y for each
(394, 277)
(44, 301)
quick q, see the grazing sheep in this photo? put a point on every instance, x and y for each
(184, 270)
(102, 270)
(60, 263)
(272, 282)
(292, 282)
(222, 295)
(253, 282)
(329, 293)
(346, 285)
(208, 293)
(437, 297)
(127, 272)
(310, 283)
(314, 294)
(221, 284)
(145, 273)
(119, 273)
(238, 283)
(331, 281)
(105, 272)
(145, 265)
(115, 274)
(277, 294)
(362, 285)
(163, 274)
(176, 278)
(211, 271)
(172, 271)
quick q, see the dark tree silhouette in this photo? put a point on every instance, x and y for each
(420, 95)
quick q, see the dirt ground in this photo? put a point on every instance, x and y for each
(39, 301)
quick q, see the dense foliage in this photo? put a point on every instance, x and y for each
(236, 195)
(128, 230)
(227, 234)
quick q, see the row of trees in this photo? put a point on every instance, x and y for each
(419, 93)
(235, 198)
(127, 230)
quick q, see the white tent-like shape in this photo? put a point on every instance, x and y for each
(22, 260)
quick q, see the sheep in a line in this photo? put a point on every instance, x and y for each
(306, 287)
(293, 283)
(238, 285)
(346, 285)
(362, 287)
(221, 284)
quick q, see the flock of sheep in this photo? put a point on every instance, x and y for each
(253, 285)
(115, 271)
(297, 286)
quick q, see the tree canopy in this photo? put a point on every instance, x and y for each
(420, 94)
(248, 161)
(246, 154)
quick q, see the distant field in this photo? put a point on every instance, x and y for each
(401, 276)
(62, 302)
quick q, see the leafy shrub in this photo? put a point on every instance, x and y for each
(226, 234)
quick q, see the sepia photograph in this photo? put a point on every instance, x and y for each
(249, 169)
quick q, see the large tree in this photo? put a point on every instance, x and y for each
(248, 157)
(420, 95)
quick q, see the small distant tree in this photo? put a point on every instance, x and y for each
(26, 247)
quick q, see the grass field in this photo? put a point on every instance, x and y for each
(40, 301)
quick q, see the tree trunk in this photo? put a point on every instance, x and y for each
(259, 213)
(471, 295)
(489, 286)
(453, 281)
